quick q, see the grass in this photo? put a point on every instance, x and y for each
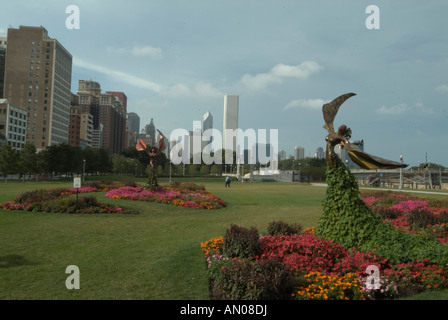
(155, 255)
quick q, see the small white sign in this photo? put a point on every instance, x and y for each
(76, 182)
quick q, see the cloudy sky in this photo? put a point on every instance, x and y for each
(175, 60)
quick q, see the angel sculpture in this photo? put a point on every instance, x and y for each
(364, 160)
(153, 152)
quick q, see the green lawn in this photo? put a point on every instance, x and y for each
(154, 255)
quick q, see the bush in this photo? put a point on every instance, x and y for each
(421, 218)
(387, 212)
(283, 228)
(253, 280)
(240, 242)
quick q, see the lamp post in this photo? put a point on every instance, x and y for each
(170, 170)
(401, 173)
(83, 170)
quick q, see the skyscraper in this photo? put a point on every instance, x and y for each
(299, 153)
(150, 131)
(120, 122)
(230, 118)
(3, 43)
(38, 72)
(207, 123)
(107, 111)
(134, 122)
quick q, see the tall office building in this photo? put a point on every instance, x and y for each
(38, 73)
(120, 122)
(133, 122)
(299, 153)
(207, 123)
(108, 115)
(230, 118)
(343, 154)
(3, 43)
(150, 131)
(320, 153)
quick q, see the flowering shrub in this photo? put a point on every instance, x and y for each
(319, 286)
(186, 195)
(383, 289)
(212, 246)
(324, 269)
(60, 200)
(411, 213)
(243, 279)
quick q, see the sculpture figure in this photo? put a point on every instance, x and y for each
(153, 152)
(342, 136)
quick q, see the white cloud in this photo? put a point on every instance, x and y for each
(442, 88)
(197, 90)
(396, 109)
(118, 75)
(280, 72)
(421, 107)
(138, 51)
(315, 104)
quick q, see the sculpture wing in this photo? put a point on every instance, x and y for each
(141, 145)
(368, 161)
(331, 109)
(162, 145)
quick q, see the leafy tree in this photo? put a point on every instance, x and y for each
(28, 162)
(8, 161)
(216, 169)
(205, 170)
(193, 169)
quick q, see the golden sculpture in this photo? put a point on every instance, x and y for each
(342, 136)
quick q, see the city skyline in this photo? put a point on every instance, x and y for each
(284, 61)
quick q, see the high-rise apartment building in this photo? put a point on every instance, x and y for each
(121, 125)
(38, 72)
(133, 122)
(230, 118)
(74, 131)
(81, 128)
(107, 113)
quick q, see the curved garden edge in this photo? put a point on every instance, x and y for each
(61, 200)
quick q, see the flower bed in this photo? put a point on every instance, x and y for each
(61, 200)
(323, 269)
(182, 195)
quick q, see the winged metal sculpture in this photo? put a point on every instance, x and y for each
(342, 136)
(153, 152)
